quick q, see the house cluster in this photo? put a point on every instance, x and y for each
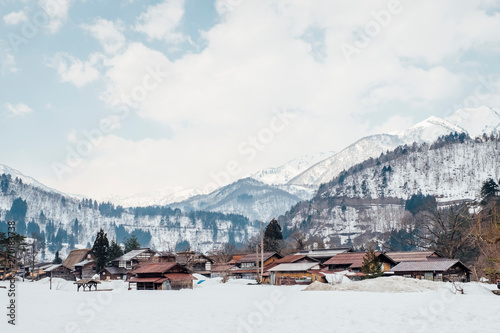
(320, 265)
(146, 269)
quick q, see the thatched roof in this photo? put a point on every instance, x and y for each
(76, 256)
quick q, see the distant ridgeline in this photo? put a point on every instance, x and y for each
(367, 202)
(61, 222)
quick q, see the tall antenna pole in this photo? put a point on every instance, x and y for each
(261, 249)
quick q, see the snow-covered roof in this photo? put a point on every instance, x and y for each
(425, 266)
(131, 255)
(295, 267)
(52, 267)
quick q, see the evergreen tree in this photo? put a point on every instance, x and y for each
(371, 265)
(57, 259)
(273, 237)
(131, 244)
(489, 189)
(115, 250)
(101, 250)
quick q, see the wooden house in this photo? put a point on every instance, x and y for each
(134, 258)
(196, 262)
(60, 271)
(161, 276)
(114, 273)
(352, 261)
(433, 270)
(78, 262)
(85, 269)
(221, 270)
(304, 272)
(248, 264)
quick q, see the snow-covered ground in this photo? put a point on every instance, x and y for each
(236, 307)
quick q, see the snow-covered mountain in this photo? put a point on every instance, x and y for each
(474, 122)
(286, 172)
(369, 199)
(4, 169)
(160, 198)
(63, 221)
(248, 197)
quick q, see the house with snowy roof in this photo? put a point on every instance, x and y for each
(441, 269)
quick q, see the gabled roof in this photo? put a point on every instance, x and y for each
(294, 258)
(160, 268)
(132, 254)
(353, 259)
(51, 268)
(295, 267)
(427, 266)
(412, 255)
(116, 270)
(76, 256)
(324, 254)
(253, 257)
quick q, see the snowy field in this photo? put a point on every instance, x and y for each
(398, 305)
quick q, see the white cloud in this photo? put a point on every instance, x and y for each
(7, 60)
(257, 62)
(108, 33)
(162, 21)
(16, 110)
(57, 10)
(15, 18)
(75, 71)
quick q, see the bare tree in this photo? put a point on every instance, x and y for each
(447, 230)
(224, 253)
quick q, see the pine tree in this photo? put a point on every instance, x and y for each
(101, 250)
(273, 237)
(57, 259)
(115, 251)
(490, 189)
(131, 244)
(371, 265)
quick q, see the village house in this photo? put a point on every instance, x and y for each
(247, 265)
(79, 262)
(161, 276)
(134, 258)
(353, 261)
(304, 272)
(433, 270)
(59, 271)
(196, 262)
(113, 273)
(221, 270)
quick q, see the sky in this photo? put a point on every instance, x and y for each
(127, 97)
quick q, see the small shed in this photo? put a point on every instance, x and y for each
(434, 270)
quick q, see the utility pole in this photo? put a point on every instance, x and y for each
(257, 260)
(261, 249)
